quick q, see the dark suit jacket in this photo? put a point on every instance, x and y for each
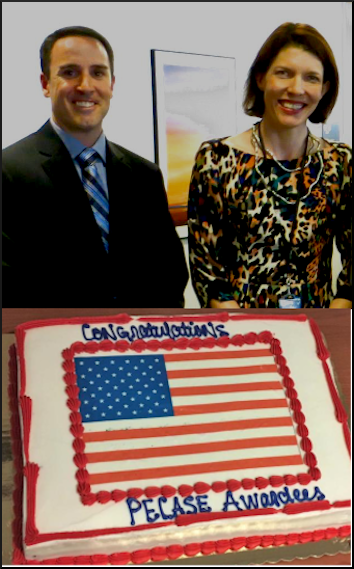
(55, 253)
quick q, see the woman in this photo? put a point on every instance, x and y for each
(266, 205)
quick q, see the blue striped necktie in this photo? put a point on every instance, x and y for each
(95, 190)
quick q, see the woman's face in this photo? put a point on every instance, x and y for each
(293, 87)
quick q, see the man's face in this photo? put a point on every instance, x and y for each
(80, 86)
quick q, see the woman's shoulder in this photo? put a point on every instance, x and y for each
(336, 151)
(240, 142)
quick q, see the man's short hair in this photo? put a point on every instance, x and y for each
(47, 45)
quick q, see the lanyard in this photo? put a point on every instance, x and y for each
(299, 193)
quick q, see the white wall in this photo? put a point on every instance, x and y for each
(232, 29)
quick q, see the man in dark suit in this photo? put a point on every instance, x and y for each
(61, 247)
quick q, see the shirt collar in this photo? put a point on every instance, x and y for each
(75, 147)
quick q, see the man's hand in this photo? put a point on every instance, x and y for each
(226, 304)
(340, 303)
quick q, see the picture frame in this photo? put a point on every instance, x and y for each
(194, 100)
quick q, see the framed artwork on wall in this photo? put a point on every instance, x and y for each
(194, 100)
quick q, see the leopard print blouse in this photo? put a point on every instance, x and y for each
(244, 239)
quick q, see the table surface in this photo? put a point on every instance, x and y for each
(334, 324)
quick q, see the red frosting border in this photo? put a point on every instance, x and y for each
(205, 548)
(157, 553)
(88, 497)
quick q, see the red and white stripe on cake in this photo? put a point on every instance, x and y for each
(230, 413)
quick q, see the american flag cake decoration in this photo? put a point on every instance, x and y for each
(210, 410)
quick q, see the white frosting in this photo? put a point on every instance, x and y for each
(58, 505)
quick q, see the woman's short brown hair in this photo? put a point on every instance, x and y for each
(298, 35)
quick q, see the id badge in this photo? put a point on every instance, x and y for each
(290, 301)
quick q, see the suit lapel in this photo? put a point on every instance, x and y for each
(58, 165)
(73, 204)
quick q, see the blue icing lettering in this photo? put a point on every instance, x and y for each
(297, 495)
(230, 500)
(133, 510)
(271, 499)
(186, 330)
(152, 511)
(252, 502)
(154, 332)
(177, 508)
(183, 330)
(111, 335)
(163, 514)
(201, 331)
(134, 334)
(220, 330)
(155, 516)
(264, 500)
(149, 330)
(305, 495)
(168, 509)
(274, 499)
(175, 333)
(123, 334)
(187, 502)
(318, 494)
(166, 329)
(202, 502)
(83, 328)
(198, 331)
(98, 334)
(284, 496)
(212, 331)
